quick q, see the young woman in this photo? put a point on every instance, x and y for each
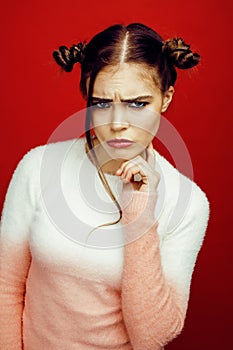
(76, 273)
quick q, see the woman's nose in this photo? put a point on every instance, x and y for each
(119, 118)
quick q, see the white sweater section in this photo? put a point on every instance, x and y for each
(56, 194)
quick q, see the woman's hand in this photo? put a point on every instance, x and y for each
(139, 168)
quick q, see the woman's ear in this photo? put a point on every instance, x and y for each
(167, 98)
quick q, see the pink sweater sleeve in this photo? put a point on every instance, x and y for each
(153, 309)
(14, 264)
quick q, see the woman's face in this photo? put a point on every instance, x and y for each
(126, 109)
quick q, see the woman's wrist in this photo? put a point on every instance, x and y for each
(138, 205)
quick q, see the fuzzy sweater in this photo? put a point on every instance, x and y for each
(124, 286)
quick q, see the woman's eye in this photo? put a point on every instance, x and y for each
(101, 105)
(138, 104)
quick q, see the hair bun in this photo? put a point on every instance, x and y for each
(180, 54)
(66, 58)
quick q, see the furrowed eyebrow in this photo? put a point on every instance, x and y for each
(138, 98)
(133, 99)
(100, 99)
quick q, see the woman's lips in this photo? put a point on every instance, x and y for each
(119, 143)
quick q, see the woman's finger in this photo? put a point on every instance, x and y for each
(133, 170)
(127, 164)
(138, 162)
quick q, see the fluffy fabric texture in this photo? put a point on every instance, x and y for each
(127, 288)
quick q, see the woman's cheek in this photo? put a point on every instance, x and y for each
(101, 133)
(150, 126)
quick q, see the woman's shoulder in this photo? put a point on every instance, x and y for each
(58, 149)
(57, 146)
(44, 159)
(174, 179)
(182, 196)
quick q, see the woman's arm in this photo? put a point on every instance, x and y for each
(151, 309)
(14, 265)
(14, 252)
(154, 297)
(156, 277)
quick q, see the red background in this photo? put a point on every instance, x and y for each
(36, 97)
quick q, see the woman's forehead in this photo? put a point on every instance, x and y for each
(125, 81)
